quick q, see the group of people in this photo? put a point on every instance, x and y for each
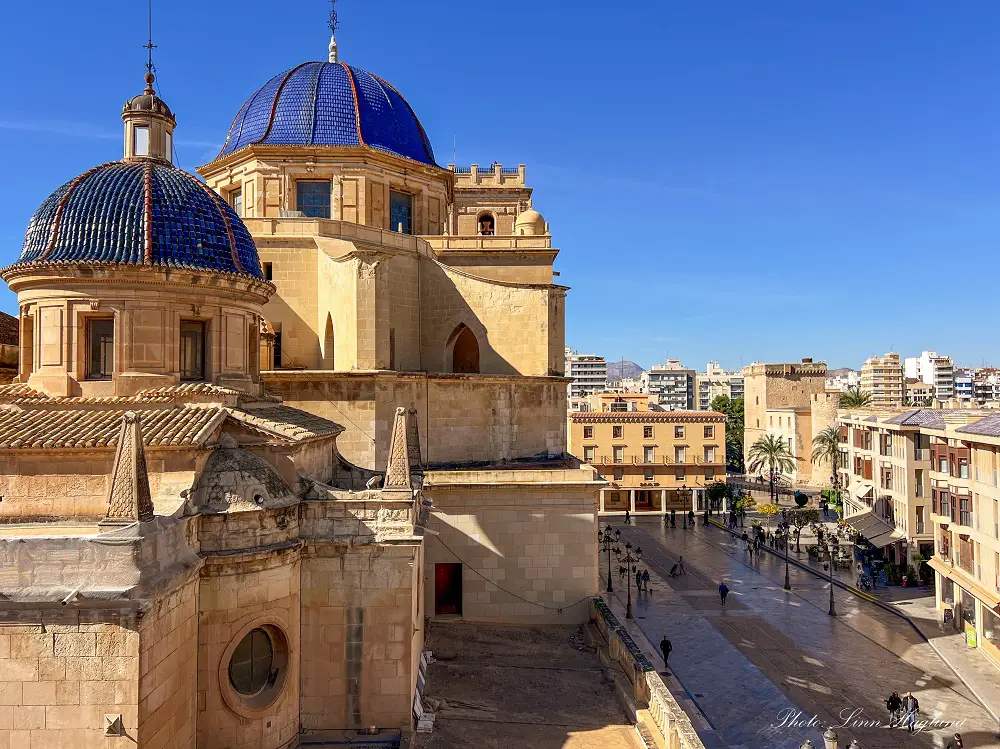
(641, 577)
(903, 711)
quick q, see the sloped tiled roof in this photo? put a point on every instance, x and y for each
(921, 417)
(187, 392)
(287, 422)
(32, 428)
(988, 427)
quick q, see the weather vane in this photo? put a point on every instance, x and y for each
(150, 77)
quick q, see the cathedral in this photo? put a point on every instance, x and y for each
(267, 422)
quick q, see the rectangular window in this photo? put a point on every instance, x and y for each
(193, 350)
(268, 271)
(679, 474)
(313, 198)
(100, 348)
(647, 454)
(709, 454)
(619, 454)
(709, 474)
(679, 433)
(617, 431)
(647, 433)
(588, 433)
(619, 474)
(647, 474)
(169, 139)
(710, 432)
(588, 454)
(400, 212)
(679, 454)
(236, 201)
(140, 141)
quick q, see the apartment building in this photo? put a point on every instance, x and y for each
(671, 385)
(965, 462)
(965, 390)
(926, 481)
(844, 380)
(935, 370)
(653, 461)
(716, 381)
(986, 385)
(884, 468)
(589, 373)
(882, 376)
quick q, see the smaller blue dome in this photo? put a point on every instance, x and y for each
(140, 213)
(330, 104)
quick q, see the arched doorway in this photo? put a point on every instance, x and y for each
(464, 351)
(328, 344)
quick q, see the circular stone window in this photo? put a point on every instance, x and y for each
(254, 667)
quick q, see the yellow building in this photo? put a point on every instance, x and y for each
(202, 555)
(655, 461)
(882, 376)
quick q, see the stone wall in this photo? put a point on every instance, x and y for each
(360, 630)
(777, 386)
(168, 669)
(531, 533)
(461, 417)
(62, 671)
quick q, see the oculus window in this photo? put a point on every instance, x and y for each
(252, 666)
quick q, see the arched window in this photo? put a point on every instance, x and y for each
(487, 225)
(328, 360)
(464, 351)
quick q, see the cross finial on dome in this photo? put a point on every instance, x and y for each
(333, 24)
(150, 76)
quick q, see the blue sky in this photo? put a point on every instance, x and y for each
(727, 180)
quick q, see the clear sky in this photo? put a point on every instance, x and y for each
(728, 180)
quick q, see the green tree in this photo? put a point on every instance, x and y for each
(855, 398)
(733, 411)
(772, 453)
(826, 447)
(719, 491)
(767, 511)
(800, 519)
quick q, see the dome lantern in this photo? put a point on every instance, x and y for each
(149, 126)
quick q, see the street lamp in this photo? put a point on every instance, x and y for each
(829, 546)
(684, 488)
(630, 561)
(784, 539)
(607, 539)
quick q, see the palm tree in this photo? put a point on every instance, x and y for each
(855, 398)
(770, 452)
(826, 446)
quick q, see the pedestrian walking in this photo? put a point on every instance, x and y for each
(638, 581)
(894, 704)
(622, 572)
(673, 518)
(645, 580)
(955, 743)
(673, 570)
(723, 592)
(680, 561)
(691, 517)
(911, 707)
(665, 647)
(746, 541)
(628, 517)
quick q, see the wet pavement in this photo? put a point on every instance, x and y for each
(771, 653)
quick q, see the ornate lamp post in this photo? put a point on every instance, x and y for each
(607, 539)
(687, 506)
(829, 547)
(630, 560)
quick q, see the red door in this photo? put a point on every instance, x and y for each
(448, 589)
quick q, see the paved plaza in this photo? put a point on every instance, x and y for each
(761, 668)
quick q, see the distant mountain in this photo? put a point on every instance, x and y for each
(630, 368)
(842, 372)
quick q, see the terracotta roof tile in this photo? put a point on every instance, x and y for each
(649, 416)
(26, 429)
(285, 421)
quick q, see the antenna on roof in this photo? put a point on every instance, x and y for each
(334, 24)
(150, 76)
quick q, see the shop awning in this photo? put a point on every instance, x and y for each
(860, 490)
(965, 580)
(874, 528)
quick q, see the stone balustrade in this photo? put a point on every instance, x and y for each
(672, 724)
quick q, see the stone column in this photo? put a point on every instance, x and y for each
(631, 501)
(601, 505)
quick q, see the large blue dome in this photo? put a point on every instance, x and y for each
(330, 104)
(140, 213)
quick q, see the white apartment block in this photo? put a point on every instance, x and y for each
(670, 385)
(844, 382)
(589, 373)
(933, 369)
(716, 381)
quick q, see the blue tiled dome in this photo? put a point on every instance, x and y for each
(140, 213)
(330, 104)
